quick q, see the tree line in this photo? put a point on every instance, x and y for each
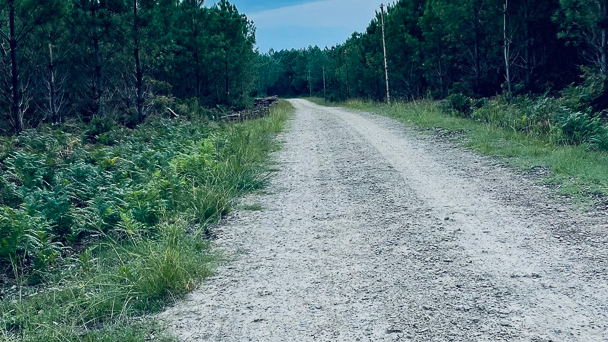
(119, 60)
(479, 48)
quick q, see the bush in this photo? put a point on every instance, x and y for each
(460, 104)
(589, 95)
(600, 140)
(97, 127)
(26, 239)
(135, 212)
(579, 127)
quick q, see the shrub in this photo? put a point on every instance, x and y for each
(579, 127)
(460, 104)
(97, 127)
(600, 140)
(587, 96)
(25, 239)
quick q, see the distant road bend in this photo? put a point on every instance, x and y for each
(371, 232)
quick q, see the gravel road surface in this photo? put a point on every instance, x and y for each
(372, 232)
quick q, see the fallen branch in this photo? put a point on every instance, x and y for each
(172, 112)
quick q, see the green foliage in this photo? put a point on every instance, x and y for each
(582, 23)
(117, 231)
(600, 140)
(121, 61)
(439, 47)
(113, 283)
(460, 104)
(99, 128)
(579, 128)
(590, 94)
(534, 117)
(573, 170)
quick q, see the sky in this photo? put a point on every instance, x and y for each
(286, 24)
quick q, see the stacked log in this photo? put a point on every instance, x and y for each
(261, 108)
(265, 101)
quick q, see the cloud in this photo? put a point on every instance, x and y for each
(353, 14)
(323, 23)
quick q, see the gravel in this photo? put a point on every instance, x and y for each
(371, 232)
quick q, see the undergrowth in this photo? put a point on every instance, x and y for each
(99, 225)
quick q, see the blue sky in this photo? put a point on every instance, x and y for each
(286, 24)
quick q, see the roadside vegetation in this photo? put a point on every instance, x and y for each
(524, 80)
(565, 148)
(112, 161)
(100, 223)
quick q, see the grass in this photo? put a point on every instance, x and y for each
(575, 171)
(100, 292)
(253, 207)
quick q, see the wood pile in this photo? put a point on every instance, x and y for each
(261, 108)
(265, 101)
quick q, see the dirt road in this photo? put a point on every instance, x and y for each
(371, 232)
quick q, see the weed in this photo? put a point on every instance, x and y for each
(114, 231)
(253, 207)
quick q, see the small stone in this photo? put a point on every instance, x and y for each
(393, 331)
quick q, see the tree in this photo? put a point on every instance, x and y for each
(99, 22)
(585, 23)
(22, 17)
(232, 53)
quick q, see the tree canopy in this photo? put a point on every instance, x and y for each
(440, 47)
(115, 59)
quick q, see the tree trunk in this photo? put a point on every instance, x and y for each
(139, 75)
(604, 33)
(16, 93)
(97, 80)
(197, 75)
(196, 55)
(507, 46)
(226, 80)
(388, 93)
(347, 77)
(477, 43)
(52, 88)
(309, 82)
(324, 86)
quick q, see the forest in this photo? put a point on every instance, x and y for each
(112, 160)
(539, 67)
(479, 48)
(119, 60)
(113, 163)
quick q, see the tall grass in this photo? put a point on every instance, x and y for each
(156, 251)
(578, 171)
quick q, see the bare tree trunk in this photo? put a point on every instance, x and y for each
(309, 81)
(198, 75)
(388, 93)
(347, 77)
(440, 72)
(507, 48)
(139, 75)
(16, 93)
(52, 87)
(324, 86)
(604, 33)
(197, 61)
(226, 79)
(477, 43)
(97, 86)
